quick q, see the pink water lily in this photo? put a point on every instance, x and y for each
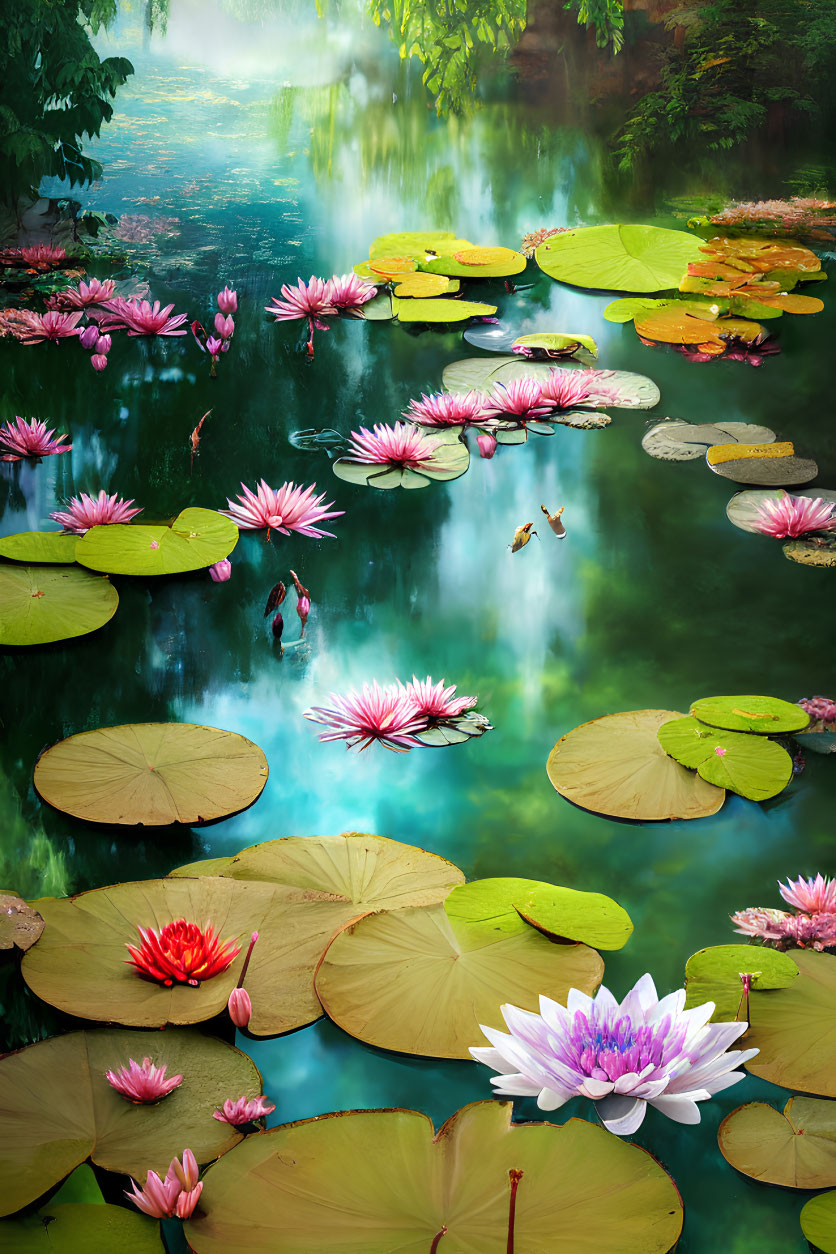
(86, 511)
(285, 509)
(30, 438)
(521, 400)
(780, 930)
(51, 326)
(820, 709)
(386, 715)
(143, 1083)
(624, 1057)
(813, 895)
(140, 317)
(40, 256)
(569, 389)
(175, 1196)
(447, 409)
(244, 1110)
(228, 300)
(303, 300)
(435, 702)
(402, 446)
(93, 292)
(349, 291)
(794, 516)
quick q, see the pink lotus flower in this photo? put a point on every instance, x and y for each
(349, 291)
(794, 516)
(487, 444)
(140, 317)
(215, 345)
(386, 715)
(86, 511)
(568, 389)
(224, 325)
(228, 300)
(821, 709)
(447, 409)
(781, 930)
(521, 399)
(812, 895)
(402, 446)
(51, 326)
(40, 256)
(764, 924)
(143, 1084)
(244, 1111)
(240, 1007)
(30, 439)
(304, 300)
(221, 571)
(177, 1195)
(93, 292)
(436, 703)
(285, 509)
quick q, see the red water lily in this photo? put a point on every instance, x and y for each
(181, 953)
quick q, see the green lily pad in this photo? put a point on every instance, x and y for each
(39, 546)
(447, 463)
(80, 1186)
(59, 1109)
(626, 308)
(625, 258)
(674, 440)
(752, 766)
(152, 773)
(632, 391)
(418, 982)
(818, 1222)
(456, 730)
(795, 1028)
(713, 974)
(39, 604)
(197, 538)
(20, 925)
(615, 765)
(329, 1184)
(559, 344)
(414, 243)
(742, 509)
(767, 716)
(379, 308)
(512, 262)
(77, 1228)
(506, 907)
(439, 309)
(794, 1148)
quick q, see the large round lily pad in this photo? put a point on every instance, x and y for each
(39, 604)
(505, 907)
(152, 773)
(743, 511)
(79, 1228)
(795, 1148)
(615, 765)
(795, 1028)
(713, 974)
(624, 258)
(448, 462)
(376, 1181)
(768, 716)
(418, 982)
(196, 538)
(59, 1109)
(631, 391)
(676, 441)
(39, 546)
(752, 766)
(818, 1222)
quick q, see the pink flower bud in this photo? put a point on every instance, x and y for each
(487, 444)
(228, 300)
(98, 361)
(221, 571)
(303, 608)
(89, 336)
(224, 326)
(240, 1007)
(214, 345)
(103, 344)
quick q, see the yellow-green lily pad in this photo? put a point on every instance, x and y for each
(713, 974)
(752, 766)
(767, 716)
(39, 604)
(620, 258)
(504, 907)
(39, 546)
(197, 538)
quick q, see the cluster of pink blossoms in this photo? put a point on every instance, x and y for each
(813, 926)
(218, 343)
(174, 1197)
(821, 709)
(34, 257)
(392, 715)
(321, 298)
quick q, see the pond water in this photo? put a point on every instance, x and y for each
(282, 143)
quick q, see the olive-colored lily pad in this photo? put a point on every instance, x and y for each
(812, 550)
(197, 538)
(417, 982)
(39, 546)
(752, 766)
(20, 925)
(79, 1228)
(506, 907)
(446, 463)
(39, 604)
(795, 1028)
(818, 1222)
(615, 765)
(499, 264)
(152, 773)
(625, 389)
(713, 974)
(794, 1148)
(625, 258)
(379, 308)
(675, 440)
(768, 716)
(743, 511)
(768, 471)
(59, 1109)
(376, 1181)
(440, 309)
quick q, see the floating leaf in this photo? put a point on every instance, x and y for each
(59, 1109)
(329, 1184)
(615, 765)
(556, 345)
(754, 254)
(769, 716)
(421, 284)
(152, 773)
(714, 975)
(439, 309)
(415, 243)
(39, 604)
(379, 308)
(39, 546)
(392, 267)
(447, 463)
(817, 550)
(77, 1228)
(795, 1148)
(818, 1222)
(197, 538)
(743, 508)
(795, 1028)
(20, 925)
(477, 263)
(677, 441)
(455, 731)
(79, 1186)
(626, 308)
(684, 322)
(751, 766)
(417, 982)
(502, 907)
(737, 462)
(628, 258)
(630, 391)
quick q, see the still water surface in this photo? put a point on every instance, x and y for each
(283, 144)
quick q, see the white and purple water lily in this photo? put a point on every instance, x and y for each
(623, 1057)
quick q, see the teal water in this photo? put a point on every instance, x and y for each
(283, 144)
